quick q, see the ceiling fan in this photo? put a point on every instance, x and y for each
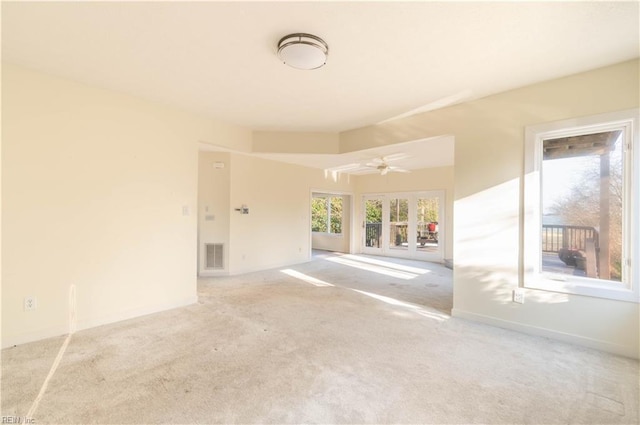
(381, 164)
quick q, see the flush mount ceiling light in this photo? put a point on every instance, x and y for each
(303, 51)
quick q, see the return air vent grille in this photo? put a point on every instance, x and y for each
(214, 256)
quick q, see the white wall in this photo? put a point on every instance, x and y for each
(276, 231)
(488, 243)
(295, 142)
(488, 204)
(330, 242)
(214, 210)
(93, 189)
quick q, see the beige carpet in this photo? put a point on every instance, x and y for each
(286, 347)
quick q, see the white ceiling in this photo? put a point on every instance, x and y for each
(385, 59)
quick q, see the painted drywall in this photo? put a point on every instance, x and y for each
(229, 136)
(94, 184)
(214, 177)
(328, 242)
(488, 204)
(333, 242)
(489, 173)
(276, 231)
(98, 192)
(295, 142)
(1, 209)
(430, 179)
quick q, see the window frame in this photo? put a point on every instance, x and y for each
(533, 276)
(327, 198)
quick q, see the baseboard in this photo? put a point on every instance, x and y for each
(209, 273)
(267, 267)
(609, 347)
(138, 312)
(38, 335)
(245, 270)
(92, 323)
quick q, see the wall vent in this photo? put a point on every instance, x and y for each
(214, 256)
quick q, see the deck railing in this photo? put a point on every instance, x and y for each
(555, 237)
(373, 232)
(398, 232)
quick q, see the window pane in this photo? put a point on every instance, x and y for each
(398, 223)
(427, 224)
(373, 230)
(319, 215)
(336, 215)
(582, 205)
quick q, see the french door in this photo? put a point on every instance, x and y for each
(405, 225)
(373, 236)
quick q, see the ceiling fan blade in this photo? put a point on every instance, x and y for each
(346, 167)
(394, 157)
(377, 161)
(398, 169)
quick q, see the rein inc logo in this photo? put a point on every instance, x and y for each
(17, 420)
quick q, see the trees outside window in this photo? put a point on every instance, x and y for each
(319, 214)
(335, 215)
(374, 210)
(581, 201)
(326, 214)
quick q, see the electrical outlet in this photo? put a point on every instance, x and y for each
(30, 303)
(518, 296)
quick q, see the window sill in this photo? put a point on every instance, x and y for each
(582, 286)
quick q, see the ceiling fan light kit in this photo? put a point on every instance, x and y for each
(303, 51)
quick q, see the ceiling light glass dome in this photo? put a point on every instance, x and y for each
(303, 51)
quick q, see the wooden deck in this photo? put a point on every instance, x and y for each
(551, 263)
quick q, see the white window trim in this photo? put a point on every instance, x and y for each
(534, 277)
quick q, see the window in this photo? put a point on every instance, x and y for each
(399, 223)
(326, 214)
(428, 211)
(580, 200)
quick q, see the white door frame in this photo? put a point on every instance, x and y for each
(412, 250)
